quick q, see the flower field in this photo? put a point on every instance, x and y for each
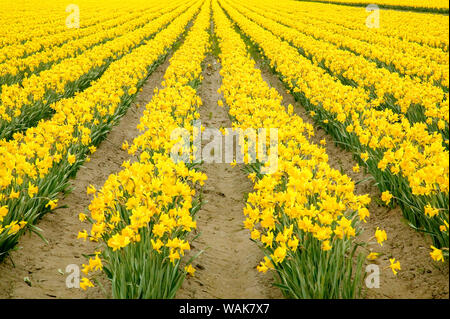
(110, 187)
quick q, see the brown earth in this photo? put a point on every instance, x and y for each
(420, 277)
(227, 267)
(45, 264)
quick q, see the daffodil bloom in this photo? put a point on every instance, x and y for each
(95, 263)
(32, 189)
(13, 228)
(436, 254)
(380, 235)
(372, 256)
(118, 241)
(3, 212)
(85, 283)
(430, 211)
(326, 245)
(82, 217)
(189, 269)
(14, 194)
(91, 189)
(71, 158)
(395, 265)
(82, 234)
(174, 255)
(255, 234)
(157, 245)
(386, 197)
(52, 204)
(262, 267)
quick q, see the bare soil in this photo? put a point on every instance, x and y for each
(420, 277)
(227, 268)
(43, 263)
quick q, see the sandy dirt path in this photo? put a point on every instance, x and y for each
(420, 276)
(227, 268)
(42, 263)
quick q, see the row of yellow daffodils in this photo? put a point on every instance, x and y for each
(405, 160)
(305, 215)
(431, 30)
(31, 30)
(419, 4)
(406, 63)
(143, 214)
(23, 104)
(14, 69)
(420, 102)
(36, 25)
(36, 165)
(357, 30)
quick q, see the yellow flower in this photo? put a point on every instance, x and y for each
(380, 235)
(95, 263)
(32, 189)
(363, 214)
(356, 168)
(82, 234)
(444, 227)
(279, 254)
(157, 245)
(373, 256)
(3, 212)
(430, 211)
(52, 204)
(118, 241)
(132, 90)
(174, 255)
(91, 189)
(14, 194)
(86, 269)
(71, 158)
(365, 156)
(326, 245)
(436, 254)
(386, 197)
(293, 243)
(14, 227)
(262, 267)
(85, 283)
(394, 265)
(255, 234)
(190, 270)
(267, 239)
